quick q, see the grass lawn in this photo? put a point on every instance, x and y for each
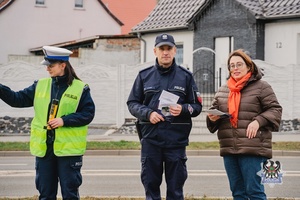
(130, 145)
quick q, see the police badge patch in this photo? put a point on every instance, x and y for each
(199, 97)
(271, 173)
(191, 109)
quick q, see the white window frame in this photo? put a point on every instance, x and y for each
(179, 54)
(39, 2)
(78, 4)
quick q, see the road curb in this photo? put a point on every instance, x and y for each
(137, 153)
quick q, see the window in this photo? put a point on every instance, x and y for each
(179, 54)
(40, 2)
(78, 3)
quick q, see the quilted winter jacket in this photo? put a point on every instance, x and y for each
(258, 102)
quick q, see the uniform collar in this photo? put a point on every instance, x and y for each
(59, 79)
(165, 70)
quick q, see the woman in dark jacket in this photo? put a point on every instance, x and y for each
(246, 136)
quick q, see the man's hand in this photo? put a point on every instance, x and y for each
(155, 118)
(175, 110)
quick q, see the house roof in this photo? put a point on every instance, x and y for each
(271, 9)
(87, 42)
(4, 4)
(179, 14)
(170, 14)
(130, 12)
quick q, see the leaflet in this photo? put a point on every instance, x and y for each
(166, 100)
(216, 112)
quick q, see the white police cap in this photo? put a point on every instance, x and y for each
(55, 54)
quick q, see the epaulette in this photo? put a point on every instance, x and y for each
(185, 69)
(147, 68)
(86, 86)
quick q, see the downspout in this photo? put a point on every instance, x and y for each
(144, 41)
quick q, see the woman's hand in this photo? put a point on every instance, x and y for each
(252, 129)
(55, 123)
(213, 117)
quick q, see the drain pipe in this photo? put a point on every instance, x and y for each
(144, 41)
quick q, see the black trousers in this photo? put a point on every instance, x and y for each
(154, 162)
(52, 169)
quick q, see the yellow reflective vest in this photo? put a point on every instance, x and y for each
(69, 141)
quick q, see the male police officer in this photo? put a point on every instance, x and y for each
(164, 137)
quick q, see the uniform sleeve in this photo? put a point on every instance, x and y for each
(193, 106)
(19, 99)
(136, 99)
(85, 112)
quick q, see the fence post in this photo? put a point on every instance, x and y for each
(120, 111)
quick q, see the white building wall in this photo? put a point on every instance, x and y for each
(282, 43)
(181, 37)
(284, 81)
(25, 26)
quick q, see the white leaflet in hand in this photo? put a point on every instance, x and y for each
(166, 100)
(215, 112)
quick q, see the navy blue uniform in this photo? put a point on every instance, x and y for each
(166, 141)
(50, 168)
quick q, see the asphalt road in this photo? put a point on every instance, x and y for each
(120, 176)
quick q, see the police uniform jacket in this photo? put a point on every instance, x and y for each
(144, 99)
(258, 102)
(24, 98)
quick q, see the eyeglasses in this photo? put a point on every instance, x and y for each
(238, 65)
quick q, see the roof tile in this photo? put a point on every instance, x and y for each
(269, 9)
(171, 14)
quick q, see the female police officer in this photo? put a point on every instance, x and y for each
(63, 108)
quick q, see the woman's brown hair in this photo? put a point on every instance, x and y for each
(70, 73)
(248, 61)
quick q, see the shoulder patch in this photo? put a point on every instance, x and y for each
(86, 87)
(199, 97)
(190, 108)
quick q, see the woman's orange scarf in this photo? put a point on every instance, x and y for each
(234, 97)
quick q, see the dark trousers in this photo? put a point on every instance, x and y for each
(51, 169)
(155, 161)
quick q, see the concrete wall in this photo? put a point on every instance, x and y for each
(103, 69)
(285, 82)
